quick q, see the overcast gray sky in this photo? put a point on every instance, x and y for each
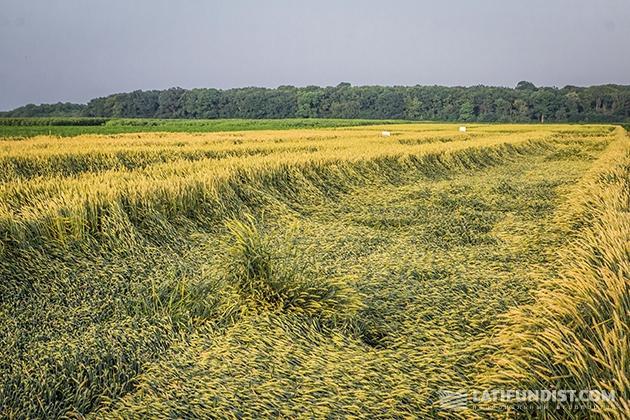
(74, 50)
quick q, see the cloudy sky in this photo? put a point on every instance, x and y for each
(74, 50)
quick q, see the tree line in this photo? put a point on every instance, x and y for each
(524, 103)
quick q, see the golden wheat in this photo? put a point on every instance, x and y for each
(313, 273)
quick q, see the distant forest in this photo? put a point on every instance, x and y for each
(524, 103)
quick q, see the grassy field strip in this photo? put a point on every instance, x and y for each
(576, 334)
(24, 128)
(68, 157)
(40, 157)
(372, 273)
(72, 204)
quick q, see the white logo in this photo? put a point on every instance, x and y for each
(459, 400)
(453, 400)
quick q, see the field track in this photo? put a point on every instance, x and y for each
(328, 272)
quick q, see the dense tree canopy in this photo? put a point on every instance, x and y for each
(47, 110)
(525, 103)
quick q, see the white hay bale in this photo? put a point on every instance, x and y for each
(386, 134)
(462, 129)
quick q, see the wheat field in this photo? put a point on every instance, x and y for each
(327, 272)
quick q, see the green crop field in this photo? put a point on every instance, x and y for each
(70, 126)
(322, 271)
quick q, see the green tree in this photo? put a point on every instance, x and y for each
(466, 111)
(525, 85)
